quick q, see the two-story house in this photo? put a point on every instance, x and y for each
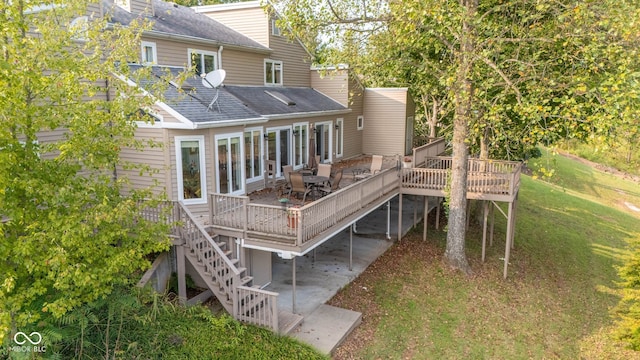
(271, 105)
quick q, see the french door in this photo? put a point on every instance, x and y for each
(230, 160)
(279, 147)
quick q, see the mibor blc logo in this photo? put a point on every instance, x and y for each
(28, 343)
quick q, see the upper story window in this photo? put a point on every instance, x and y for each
(203, 62)
(360, 123)
(272, 72)
(149, 53)
(275, 30)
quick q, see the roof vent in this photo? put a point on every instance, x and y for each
(280, 97)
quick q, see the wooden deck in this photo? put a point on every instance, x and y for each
(296, 230)
(486, 179)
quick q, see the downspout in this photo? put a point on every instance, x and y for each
(220, 56)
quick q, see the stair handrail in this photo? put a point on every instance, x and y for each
(269, 316)
(188, 221)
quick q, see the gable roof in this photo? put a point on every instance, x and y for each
(181, 21)
(237, 105)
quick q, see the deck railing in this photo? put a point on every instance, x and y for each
(163, 212)
(249, 305)
(257, 307)
(433, 148)
(323, 214)
(296, 226)
(484, 176)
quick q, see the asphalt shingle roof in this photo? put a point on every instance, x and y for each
(176, 19)
(270, 100)
(192, 99)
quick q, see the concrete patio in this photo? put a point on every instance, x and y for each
(321, 275)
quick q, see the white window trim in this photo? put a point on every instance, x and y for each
(339, 136)
(243, 175)
(152, 45)
(259, 177)
(360, 122)
(275, 30)
(328, 124)
(306, 140)
(264, 71)
(191, 51)
(203, 168)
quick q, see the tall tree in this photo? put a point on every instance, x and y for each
(511, 73)
(70, 231)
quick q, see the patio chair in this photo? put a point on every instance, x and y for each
(298, 186)
(286, 171)
(376, 166)
(335, 182)
(324, 170)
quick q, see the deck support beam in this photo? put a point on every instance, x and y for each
(293, 283)
(485, 215)
(350, 248)
(399, 216)
(388, 220)
(182, 283)
(426, 215)
(508, 240)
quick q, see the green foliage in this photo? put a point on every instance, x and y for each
(132, 324)
(541, 71)
(71, 230)
(627, 312)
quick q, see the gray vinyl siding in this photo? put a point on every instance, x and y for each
(334, 84)
(354, 137)
(294, 58)
(251, 22)
(175, 53)
(243, 68)
(151, 156)
(385, 112)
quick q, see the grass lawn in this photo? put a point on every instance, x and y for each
(570, 235)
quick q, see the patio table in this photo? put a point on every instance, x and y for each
(314, 180)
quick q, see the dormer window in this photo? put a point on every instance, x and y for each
(149, 53)
(272, 72)
(202, 62)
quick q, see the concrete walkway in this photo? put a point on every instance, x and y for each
(321, 275)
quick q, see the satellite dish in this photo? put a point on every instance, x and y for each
(213, 80)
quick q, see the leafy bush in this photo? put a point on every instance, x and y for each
(141, 324)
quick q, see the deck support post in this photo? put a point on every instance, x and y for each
(388, 220)
(426, 215)
(399, 216)
(513, 223)
(507, 246)
(468, 213)
(182, 283)
(485, 215)
(415, 212)
(293, 283)
(493, 220)
(438, 205)
(350, 248)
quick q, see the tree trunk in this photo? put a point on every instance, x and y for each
(455, 252)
